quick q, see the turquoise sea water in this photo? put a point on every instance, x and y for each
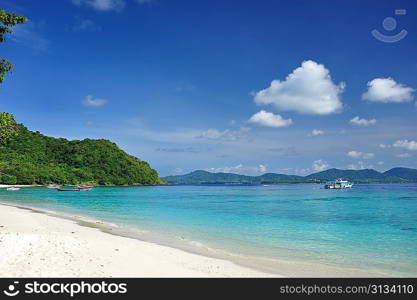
(371, 227)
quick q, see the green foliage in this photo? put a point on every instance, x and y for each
(32, 158)
(7, 20)
(8, 127)
(8, 179)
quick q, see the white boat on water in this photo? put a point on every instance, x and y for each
(338, 184)
(53, 186)
(13, 188)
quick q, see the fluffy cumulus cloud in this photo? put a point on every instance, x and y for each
(387, 90)
(362, 155)
(406, 144)
(362, 122)
(316, 132)
(268, 119)
(93, 102)
(240, 169)
(320, 165)
(309, 89)
(404, 155)
(102, 5)
(225, 135)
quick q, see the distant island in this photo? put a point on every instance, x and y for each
(28, 157)
(394, 175)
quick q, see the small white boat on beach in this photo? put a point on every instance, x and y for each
(54, 186)
(13, 188)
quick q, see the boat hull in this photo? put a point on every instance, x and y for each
(338, 185)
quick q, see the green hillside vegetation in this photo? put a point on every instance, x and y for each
(403, 173)
(366, 175)
(357, 176)
(203, 177)
(28, 157)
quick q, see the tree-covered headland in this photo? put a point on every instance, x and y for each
(28, 157)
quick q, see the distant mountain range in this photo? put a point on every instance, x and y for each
(357, 176)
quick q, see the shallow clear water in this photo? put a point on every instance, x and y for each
(373, 227)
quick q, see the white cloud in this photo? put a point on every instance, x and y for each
(359, 166)
(384, 146)
(302, 171)
(387, 90)
(262, 168)
(362, 122)
(85, 25)
(226, 135)
(362, 155)
(240, 169)
(30, 35)
(406, 144)
(102, 5)
(268, 119)
(320, 165)
(309, 89)
(90, 101)
(380, 163)
(316, 132)
(404, 155)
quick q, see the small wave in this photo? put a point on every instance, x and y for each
(408, 198)
(409, 229)
(197, 244)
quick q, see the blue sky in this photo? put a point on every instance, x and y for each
(242, 86)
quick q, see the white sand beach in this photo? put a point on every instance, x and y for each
(38, 245)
